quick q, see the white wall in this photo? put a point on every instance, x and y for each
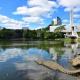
(52, 28)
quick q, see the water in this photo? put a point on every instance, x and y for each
(17, 60)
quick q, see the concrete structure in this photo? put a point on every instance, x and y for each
(71, 33)
(72, 27)
(25, 28)
(59, 21)
(52, 28)
(56, 23)
(71, 18)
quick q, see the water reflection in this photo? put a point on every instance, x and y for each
(27, 54)
(17, 63)
(73, 49)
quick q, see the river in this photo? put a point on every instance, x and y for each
(17, 59)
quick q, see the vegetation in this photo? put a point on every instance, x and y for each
(59, 29)
(40, 34)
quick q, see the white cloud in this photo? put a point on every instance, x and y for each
(15, 24)
(33, 11)
(76, 9)
(36, 10)
(37, 2)
(21, 10)
(76, 16)
(65, 21)
(3, 19)
(10, 53)
(26, 54)
(11, 23)
(69, 3)
(32, 19)
(67, 9)
(42, 3)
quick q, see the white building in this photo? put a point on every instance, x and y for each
(55, 21)
(25, 28)
(52, 28)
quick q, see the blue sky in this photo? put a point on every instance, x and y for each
(34, 14)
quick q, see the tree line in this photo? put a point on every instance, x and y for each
(40, 34)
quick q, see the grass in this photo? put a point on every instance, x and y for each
(68, 40)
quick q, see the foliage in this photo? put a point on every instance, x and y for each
(6, 34)
(41, 34)
(59, 29)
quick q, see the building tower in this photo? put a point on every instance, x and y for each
(71, 20)
(73, 33)
(59, 21)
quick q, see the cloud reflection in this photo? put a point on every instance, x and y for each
(26, 54)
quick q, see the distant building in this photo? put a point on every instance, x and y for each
(25, 28)
(55, 23)
(52, 28)
(59, 21)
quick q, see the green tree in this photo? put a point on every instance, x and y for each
(59, 29)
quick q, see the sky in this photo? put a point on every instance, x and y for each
(35, 14)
